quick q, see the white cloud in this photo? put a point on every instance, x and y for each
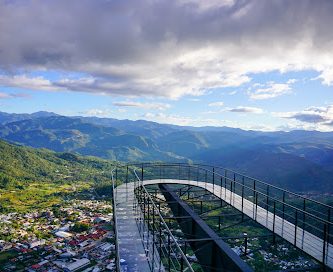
(242, 109)
(97, 112)
(327, 76)
(197, 122)
(154, 106)
(184, 120)
(216, 104)
(206, 5)
(164, 48)
(26, 82)
(320, 118)
(272, 90)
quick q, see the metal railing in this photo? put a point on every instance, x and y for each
(162, 250)
(115, 222)
(161, 246)
(305, 214)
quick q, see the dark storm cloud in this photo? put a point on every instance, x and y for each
(167, 48)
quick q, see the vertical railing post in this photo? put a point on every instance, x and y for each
(153, 236)
(231, 190)
(225, 188)
(144, 216)
(329, 225)
(142, 172)
(296, 221)
(221, 190)
(169, 253)
(274, 211)
(160, 238)
(254, 188)
(267, 198)
(213, 180)
(283, 201)
(303, 225)
(234, 185)
(127, 174)
(324, 243)
(256, 206)
(243, 198)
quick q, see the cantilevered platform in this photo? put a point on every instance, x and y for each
(302, 239)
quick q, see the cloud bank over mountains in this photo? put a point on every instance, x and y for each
(156, 48)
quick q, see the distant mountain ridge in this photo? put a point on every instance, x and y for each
(298, 160)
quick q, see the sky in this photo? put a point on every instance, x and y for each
(260, 65)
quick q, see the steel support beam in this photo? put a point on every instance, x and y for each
(212, 253)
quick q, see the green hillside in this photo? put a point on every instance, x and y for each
(298, 160)
(33, 178)
(282, 169)
(63, 134)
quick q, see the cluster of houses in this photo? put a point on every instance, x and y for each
(54, 240)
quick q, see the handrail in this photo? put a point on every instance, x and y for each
(274, 186)
(198, 166)
(115, 222)
(201, 166)
(277, 200)
(164, 223)
(240, 174)
(258, 195)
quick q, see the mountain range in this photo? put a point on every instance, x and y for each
(298, 160)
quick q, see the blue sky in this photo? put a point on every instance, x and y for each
(185, 62)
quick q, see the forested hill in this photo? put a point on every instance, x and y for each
(301, 161)
(30, 177)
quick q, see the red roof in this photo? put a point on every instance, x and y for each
(73, 243)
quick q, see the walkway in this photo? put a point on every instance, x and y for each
(306, 241)
(131, 250)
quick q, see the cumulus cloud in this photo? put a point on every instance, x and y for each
(241, 109)
(271, 90)
(133, 104)
(163, 48)
(26, 82)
